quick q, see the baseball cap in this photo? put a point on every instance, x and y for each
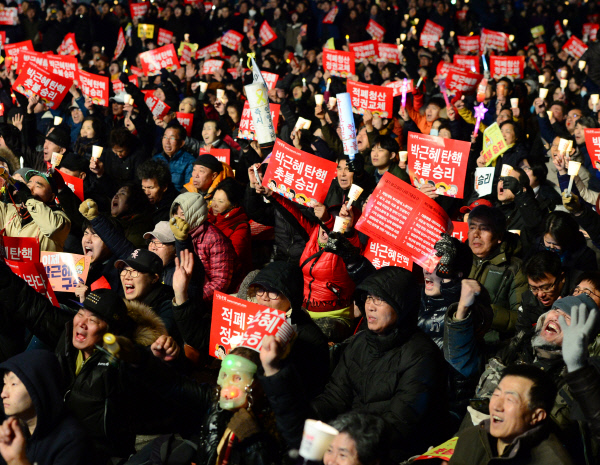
(47, 176)
(477, 203)
(108, 306)
(162, 232)
(142, 260)
(60, 137)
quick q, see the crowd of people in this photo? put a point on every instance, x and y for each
(496, 345)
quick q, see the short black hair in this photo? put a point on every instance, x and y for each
(87, 224)
(542, 263)
(563, 227)
(437, 101)
(154, 169)
(543, 391)
(586, 122)
(540, 172)
(368, 432)
(123, 138)
(387, 143)
(181, 132)
(233, 190)
(591, 276)
(137, 201)
(516, 128)
(492, 215)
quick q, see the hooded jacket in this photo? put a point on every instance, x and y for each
(101, 396)
(57, 439)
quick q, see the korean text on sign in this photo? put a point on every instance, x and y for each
(388, 52)
(377, 99)
(266, 34)
(366, 49)
(95, 87)
(164, 36)
(468, 44)
(232, 39)
(210, 66)
(575, 47)
(383, 255)
(34, 274)
(376, 30)
(50, 87)
(507, 66)
(397, 87)
(155, 60)
(433, 159)
(213, 50)
(494, 144)
(22, 249)
(297, 175)
(460, 80)
(338, 63)
(267, 322)
(468, 62)
(246, 130)
(592, 143)
(65, 271)
(270, 79)
(493, 40)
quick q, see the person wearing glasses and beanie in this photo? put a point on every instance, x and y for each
(175, 157)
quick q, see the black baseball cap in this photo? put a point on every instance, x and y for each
(108, 306)
(142, 260)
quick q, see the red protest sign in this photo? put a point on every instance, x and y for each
(542, 49)
(73, 183)
(186, 55)
(460, 80)
(376, 99)
(213, 50)
(2, 38)
(267, 322)
(428, 40)
(120, 44)
(223, 155)
(575, 47)
(401, 216)
(117, 85)
(438, 161)
(460, 230)
(266, 34)
(330, 16)
(230, 317)
(36, 80)
(164, 36)
(12, 51)
(94, 87)
(461, 15)
(433, 28)
(65, 270)
(376, 30)
(507, 66)
(384, 255)
(155, 60)
(366, 49)
(210, 66)
(558, 28)
(246, 130)
(397, 87)
(443, 68)
(186, 120)
(270, 79)
(158, 108)
(20, 249)
(468, 44)
(468, 62)
(388, 52)
(232, 39)
(29, 56)
(592, 143)
(69, 45)
(8, 17)
(63, 65)
(590, 30)
(136, 71)
(138, 9)
(431, 34)
(338, 63)
(493, 40)
(297, 175)
(34, 274)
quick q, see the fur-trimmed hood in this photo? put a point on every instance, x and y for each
(148, 325)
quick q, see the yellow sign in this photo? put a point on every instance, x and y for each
(146, 31)
(193, 48)
(537, 31)
(494, 144)
(443, 451)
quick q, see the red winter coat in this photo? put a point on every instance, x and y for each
(327, 285)
(235, 225)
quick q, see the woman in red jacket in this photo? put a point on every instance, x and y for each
(227, 214)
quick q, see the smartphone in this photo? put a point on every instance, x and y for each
(258, 179)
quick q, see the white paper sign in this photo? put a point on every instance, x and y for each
(484, 178)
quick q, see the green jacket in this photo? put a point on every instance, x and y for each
(502, 275)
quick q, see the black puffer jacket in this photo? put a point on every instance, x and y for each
(399, 375)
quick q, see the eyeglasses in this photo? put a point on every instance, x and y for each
(584, 290)
(172, 139)
(132, 273)
(272, 295)
(156, 244)
(545, 288)
(377, 301)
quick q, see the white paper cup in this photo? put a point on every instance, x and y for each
(563, 145)
(341, 225)
(563, 73)
(543, 93)
(506, 169)
(515, 231)
(403, 156)
(594, 98)
(332, 101)
(573, 168)
(355, 191)
(57, 120)
(563, 84)
(306, 124)
(549, 113)
(582, 65)
(514, 102)
(203, 86)
(316, 438)
(319, 99)
(96, 151)
(56, 158)
(220, 94)
(541, 79)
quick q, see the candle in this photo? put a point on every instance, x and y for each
(347, 39)
(563, 73)
(319, 99)
(549, 113)
(565, 22)
(354, 194)
(506, 169)
(125, 65)
(511, 38)
(543, 93)
(451, 33)
(57, 120)
(514, 102)
(480, 111)
(419, 82)
(563, 84)
(203, 86)
(96, 151)
(220, 94)
(328, 84)
(594, 99)
(303, 82)
(406, 17)
(572, 170)
(402, 37)
(332, 101)
(404, 86)
(541, 79)
(416, 21)
(563, 145)
(582, 64)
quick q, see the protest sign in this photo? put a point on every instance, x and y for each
(493, 40)
(388, 52)
(338, 63)
(210, 66)
(443, 451)
(484, 179)
(297, 175)
(65, 270)
(431, 34)
(558, 30)
(468, 44)
(468, 62)
(117, 85)
(376, 30)
(267, 322)
(230, 317)
(138, 9)
(186, 56)
(158, 108)
(63, 65)
(69, 45)
(223, 155)
(246, 130)
(330, 16)
(397, 87)
(29, 56)
(537, 31)
(384, 255)
(164, 36)
(542, 49)
(575, 46)
(439, 162)
(186, 120)
(591, 30)
(461, 15)
(505, 66)
(12, 51)
(399, 215)
(51, 87)
(2, 38)
(73, 183)
(94, 87)
(592, 143)
(494, 144)
(460, 80)
(145, 31)
(433, 28)
(212, 50)
(8, 17)
(428, 40)
(120, 44)
(270, 79)
(460, 230)
(232, 39)
(155, 60)
(366, 49)
(20, 249)
(34, 274)
(377, 99)
(266, 34)
(443, 69)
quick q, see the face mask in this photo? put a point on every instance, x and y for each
(235, 378)
(434, 132)
(583, 93)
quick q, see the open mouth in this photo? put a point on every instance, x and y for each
(428, 284)
(88, 251)
(80, 337)
(496, 419)
(129, 288)
(552, 327)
